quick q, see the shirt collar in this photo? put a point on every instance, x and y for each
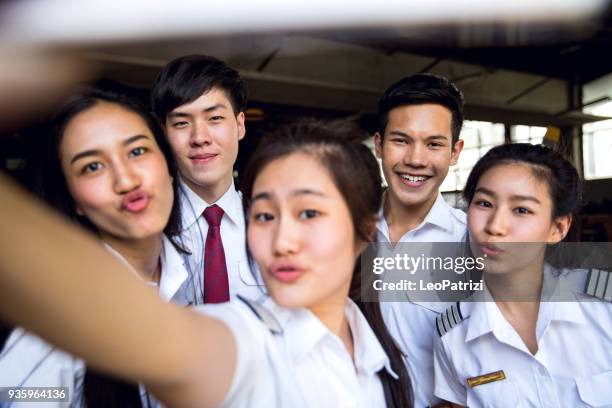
(486, 317)
(439, 215)
(303, 332)
(478, 322)
(173, 272)
(555, 285)
(192, 205)
(370, 356)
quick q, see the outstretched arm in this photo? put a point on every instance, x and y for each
(58, 282)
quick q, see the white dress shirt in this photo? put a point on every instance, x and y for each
(233, 237)
(572, 367)
(303, 364)
(29, 361)
(410, 322)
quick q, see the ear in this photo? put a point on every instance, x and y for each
(559, 228)
(241, 127)
(378, 141)
(455, 151)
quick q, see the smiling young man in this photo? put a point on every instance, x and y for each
(420, 118)
(200, 102)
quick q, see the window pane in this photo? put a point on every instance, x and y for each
(468, 158)
(520, 133)
(478, 138)
(597, 150)
(450, 182)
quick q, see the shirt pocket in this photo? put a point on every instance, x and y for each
(594, 390)
(496, 394)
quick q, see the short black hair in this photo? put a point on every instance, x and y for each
(421, 89)
(186, 78)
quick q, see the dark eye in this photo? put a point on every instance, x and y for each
(400, 141)
(436, 144)
(263, 217)
(522, 210)
(483, 203)
(92, 167)
(138, 151)
(216, 118)
(179, 125)
(307, 214)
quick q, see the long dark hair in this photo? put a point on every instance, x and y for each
(356, 174)
(100, 390)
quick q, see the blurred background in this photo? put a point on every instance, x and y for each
(536, 73)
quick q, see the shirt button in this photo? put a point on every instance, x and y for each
(542, 371)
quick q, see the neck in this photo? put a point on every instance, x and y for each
(402, 218)
(142, 254)
(210, 193)
(517, 286)
(331, 314)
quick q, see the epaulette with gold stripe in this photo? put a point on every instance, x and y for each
(448, 319)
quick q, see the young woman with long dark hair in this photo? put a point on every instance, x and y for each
(536, 336)
(312, 200)
(108, 167)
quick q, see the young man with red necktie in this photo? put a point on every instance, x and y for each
(200, 102)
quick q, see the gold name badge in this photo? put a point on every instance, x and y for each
(486, 378)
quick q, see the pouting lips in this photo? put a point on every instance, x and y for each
(490, 249)
(135, 202)
(286, 271)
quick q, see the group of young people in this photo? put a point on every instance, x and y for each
(272, 273)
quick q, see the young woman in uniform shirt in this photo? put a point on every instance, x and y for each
(108, 167)
(515, 344)
(312, 202)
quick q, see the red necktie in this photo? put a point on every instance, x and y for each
(216, 286)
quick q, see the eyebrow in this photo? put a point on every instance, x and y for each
(304, 191)
(516, 197)
(406, 135)
(94, 152)
(179, 114)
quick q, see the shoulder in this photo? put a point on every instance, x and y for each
(263, 314)
(458, 216)
(452, 317)
(598, 284)
(244, 314)
(572, 284)
(29, 360)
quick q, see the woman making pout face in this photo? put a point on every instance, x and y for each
(106, 168)
(117, 176)
(313, 200)
(516, 348)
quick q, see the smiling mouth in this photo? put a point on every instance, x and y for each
(413, 180)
